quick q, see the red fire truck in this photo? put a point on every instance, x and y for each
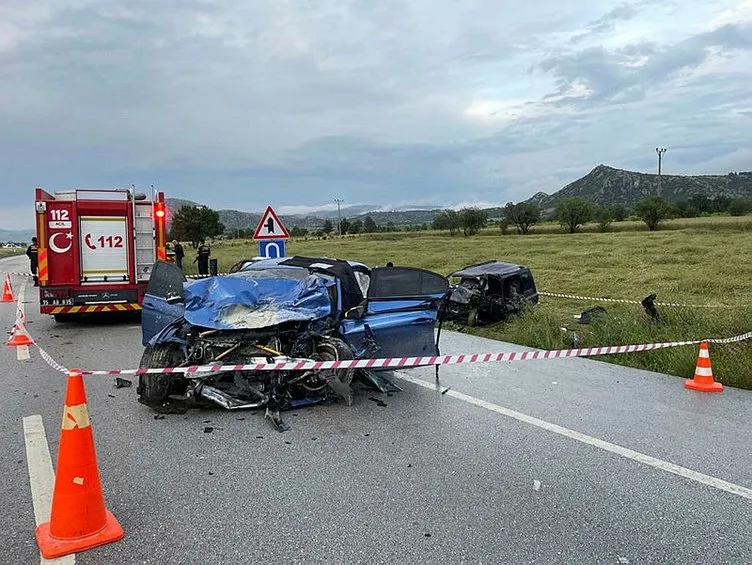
(97, 249)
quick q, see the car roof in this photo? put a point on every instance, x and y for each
(488, 268)
(265, 263)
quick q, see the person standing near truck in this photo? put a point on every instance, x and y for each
(202, 256)
(179, 253)
(32, 252)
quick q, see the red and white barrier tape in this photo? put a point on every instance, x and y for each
(289, 364)
(206, 276)
(50, 361)
(623, 301)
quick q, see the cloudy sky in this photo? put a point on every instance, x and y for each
(240, 103)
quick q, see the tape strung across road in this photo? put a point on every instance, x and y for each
(291, 364)
(295, 364)
(624, 301)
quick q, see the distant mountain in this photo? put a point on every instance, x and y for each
(177, 203)
(236, 219)
(610, 187)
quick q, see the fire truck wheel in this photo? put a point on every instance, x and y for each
(154, 389)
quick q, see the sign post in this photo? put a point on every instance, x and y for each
(271, 235)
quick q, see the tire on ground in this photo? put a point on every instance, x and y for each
(154, 389)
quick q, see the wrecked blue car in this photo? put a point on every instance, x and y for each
(290, 307)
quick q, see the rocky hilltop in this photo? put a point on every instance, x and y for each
(610, 187)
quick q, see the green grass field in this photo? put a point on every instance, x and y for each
(703, 261)
(10, 252)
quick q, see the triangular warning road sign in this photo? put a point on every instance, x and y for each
(270, 227)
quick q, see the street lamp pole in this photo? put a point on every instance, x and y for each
(339, 216)
(660, 151)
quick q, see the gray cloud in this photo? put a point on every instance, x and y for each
(607, 22)
(623, 74)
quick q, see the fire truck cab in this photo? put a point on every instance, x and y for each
(97, 249)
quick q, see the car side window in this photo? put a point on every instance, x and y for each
(405, 282)
(166, 281)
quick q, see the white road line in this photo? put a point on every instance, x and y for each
(41, 477)
(695, 476)
(22, 351)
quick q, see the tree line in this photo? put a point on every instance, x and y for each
(197, 223)
(573, 213)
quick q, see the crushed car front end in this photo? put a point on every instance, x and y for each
(246, 318)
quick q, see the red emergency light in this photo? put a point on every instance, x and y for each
(159, 212)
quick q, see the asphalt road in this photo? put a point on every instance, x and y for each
(560, 461)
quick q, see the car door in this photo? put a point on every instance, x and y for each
(399, 313)
(164, 301)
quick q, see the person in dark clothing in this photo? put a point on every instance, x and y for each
(179, 253)
(202, 256)
(32, 253)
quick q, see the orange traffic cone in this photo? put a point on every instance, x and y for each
(20, 335)
(7, 291)
(79, 520)
(703, 380)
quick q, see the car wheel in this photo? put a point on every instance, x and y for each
(335, 349)
(472, 318)
(154, 389)
(339, 380)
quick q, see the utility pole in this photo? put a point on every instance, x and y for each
(660, 151)
(339, 216)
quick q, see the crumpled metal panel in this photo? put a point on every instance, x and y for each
(242, 302)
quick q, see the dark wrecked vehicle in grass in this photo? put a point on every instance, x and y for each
(489, 292)
(293, 307)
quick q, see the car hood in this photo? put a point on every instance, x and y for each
(239, 302)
